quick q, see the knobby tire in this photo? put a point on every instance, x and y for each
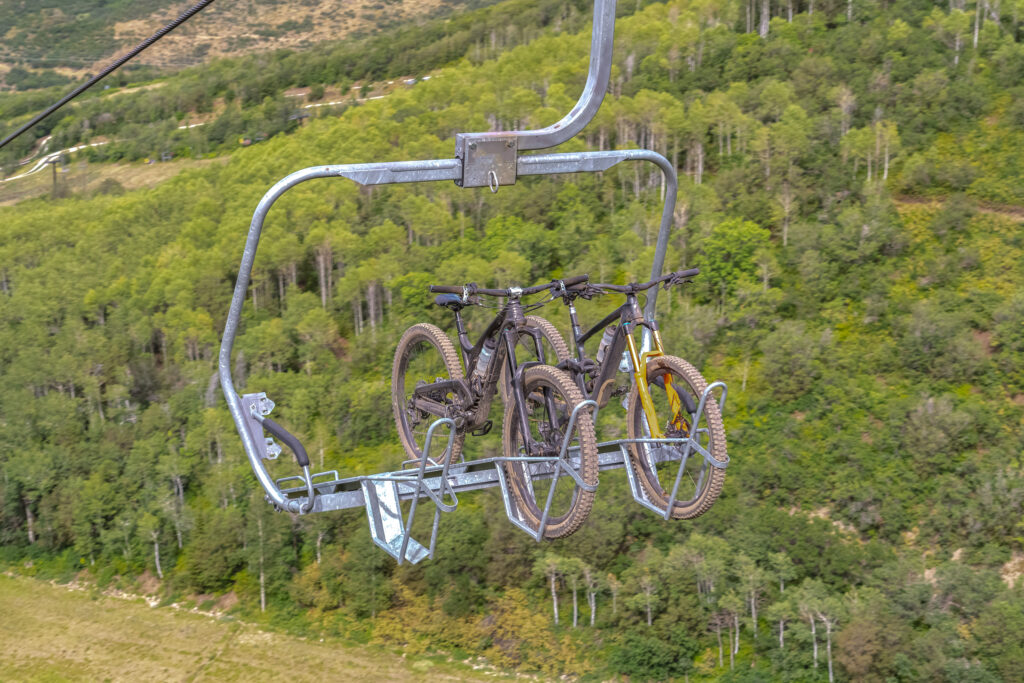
(560, 523)
(423, 333)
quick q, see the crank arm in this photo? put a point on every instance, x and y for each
(429, 406)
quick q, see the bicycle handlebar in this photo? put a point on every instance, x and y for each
(672, 279)
(556, 285)
(471, 288)
(445, 289)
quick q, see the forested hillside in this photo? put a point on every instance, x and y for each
(206, 111)
(851, 189)
(48, 41)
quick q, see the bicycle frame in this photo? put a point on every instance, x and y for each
(630, 317)
(507, 326)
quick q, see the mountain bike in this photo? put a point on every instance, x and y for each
(542, 421)
(666, 403)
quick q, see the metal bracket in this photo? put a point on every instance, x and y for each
(677, 449)
(488, 159)
(255, 406)
(383, 502)
(387, 528)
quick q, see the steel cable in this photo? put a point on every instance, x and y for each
(185, 16)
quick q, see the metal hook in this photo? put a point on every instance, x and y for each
(492, 181)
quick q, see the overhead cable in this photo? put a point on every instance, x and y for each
(185, 16)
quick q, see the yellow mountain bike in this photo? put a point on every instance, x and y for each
(665, 396)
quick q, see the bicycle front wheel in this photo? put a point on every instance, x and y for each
(550, 397)
(676, 388)
(424, 357)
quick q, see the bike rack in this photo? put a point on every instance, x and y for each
(382, 494)
(489, 159)
(687, 446)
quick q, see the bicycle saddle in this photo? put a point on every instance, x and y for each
(452, 301)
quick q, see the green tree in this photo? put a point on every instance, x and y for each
(950, 29)
(549, 566)
(643, 583)
(791, 355)
(729, 256)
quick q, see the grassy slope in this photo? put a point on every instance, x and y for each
(52, 633)
(83, 177)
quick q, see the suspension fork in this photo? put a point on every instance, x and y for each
(549, 401)
(640, 381)
(508, 337)
(674, 401)
(579, 378)
(640, 361)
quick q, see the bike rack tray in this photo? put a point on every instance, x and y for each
(382, 494)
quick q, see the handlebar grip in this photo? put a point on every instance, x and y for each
(288, 440)
(445, 289)
(575, 280)
(688, 273)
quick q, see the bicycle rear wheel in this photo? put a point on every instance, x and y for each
(425, 355)
(550, 397)
(701, 482)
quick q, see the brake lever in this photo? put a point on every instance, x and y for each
(672, 282)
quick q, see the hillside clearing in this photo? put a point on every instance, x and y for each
(51, 633)
(79, 177)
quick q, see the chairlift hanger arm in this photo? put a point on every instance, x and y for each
(598, 77)
(490, 159)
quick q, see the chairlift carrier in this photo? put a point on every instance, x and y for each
(492, 160)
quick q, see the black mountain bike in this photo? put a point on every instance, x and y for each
(663, 400)
(540, 416)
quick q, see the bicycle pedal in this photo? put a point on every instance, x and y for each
(486, 428)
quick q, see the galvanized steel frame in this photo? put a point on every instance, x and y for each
(433, 481)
